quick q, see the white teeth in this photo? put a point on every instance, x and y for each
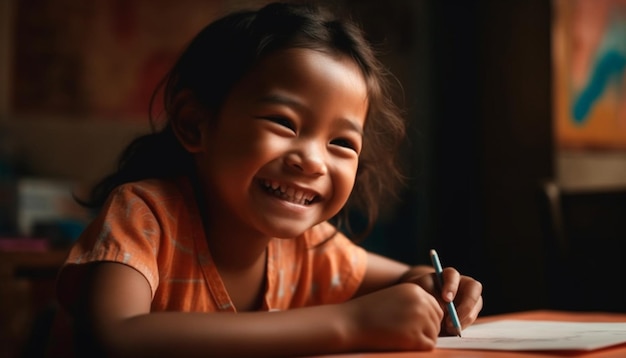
(289, 193)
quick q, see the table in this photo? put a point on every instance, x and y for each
(611, 352)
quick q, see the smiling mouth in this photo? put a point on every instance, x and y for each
(288, 193)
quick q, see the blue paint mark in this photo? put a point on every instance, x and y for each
(612, 63)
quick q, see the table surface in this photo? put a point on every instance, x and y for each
(618, 351)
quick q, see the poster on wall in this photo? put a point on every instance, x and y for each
(98, 58)
(589, 66)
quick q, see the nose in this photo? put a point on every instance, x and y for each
(308, 158)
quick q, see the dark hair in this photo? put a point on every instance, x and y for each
(223, 52)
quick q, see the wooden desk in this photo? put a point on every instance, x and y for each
(611, 352)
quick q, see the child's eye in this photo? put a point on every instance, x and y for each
(285, 122)
(346, 143)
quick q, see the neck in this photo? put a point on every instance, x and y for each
(233, 246)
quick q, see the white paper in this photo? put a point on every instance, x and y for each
(518, 335)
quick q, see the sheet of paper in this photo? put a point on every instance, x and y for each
(518, 335)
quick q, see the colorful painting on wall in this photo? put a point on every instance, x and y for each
(589, 54)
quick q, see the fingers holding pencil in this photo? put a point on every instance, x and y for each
(469, 300)
(465, 292)
(461, 294)
(448, 295)
(450, 280)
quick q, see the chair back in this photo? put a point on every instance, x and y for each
(585, 240)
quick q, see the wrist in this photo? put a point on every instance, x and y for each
(349, 326)
(415, 272)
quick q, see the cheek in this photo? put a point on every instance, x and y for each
(345, 180)
(242, 149)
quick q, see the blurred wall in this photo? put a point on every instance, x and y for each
(477, 90)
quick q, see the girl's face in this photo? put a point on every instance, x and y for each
(283, 153)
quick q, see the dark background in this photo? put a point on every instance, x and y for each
(478, 84)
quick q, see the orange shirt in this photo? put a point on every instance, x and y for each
(154, 226)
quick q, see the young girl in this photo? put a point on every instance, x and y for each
(214, 237)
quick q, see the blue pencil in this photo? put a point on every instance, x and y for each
(450, 305)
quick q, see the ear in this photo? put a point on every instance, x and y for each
(187, 121)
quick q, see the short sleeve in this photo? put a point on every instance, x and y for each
(125, 231)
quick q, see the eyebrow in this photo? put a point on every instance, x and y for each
(352, 125)
(282, 99)
(276, 98)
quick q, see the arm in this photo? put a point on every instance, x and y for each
(465, 291)
(115, 319)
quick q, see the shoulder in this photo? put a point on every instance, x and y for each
(153, 193)
(153, 203)
(151, 188)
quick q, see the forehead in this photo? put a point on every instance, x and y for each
(295, 67)
(310, 60)
(314, 79)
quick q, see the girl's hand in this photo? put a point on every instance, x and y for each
(401, 317)
(465, 291)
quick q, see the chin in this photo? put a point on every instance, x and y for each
(286, 230)
(286, 234)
